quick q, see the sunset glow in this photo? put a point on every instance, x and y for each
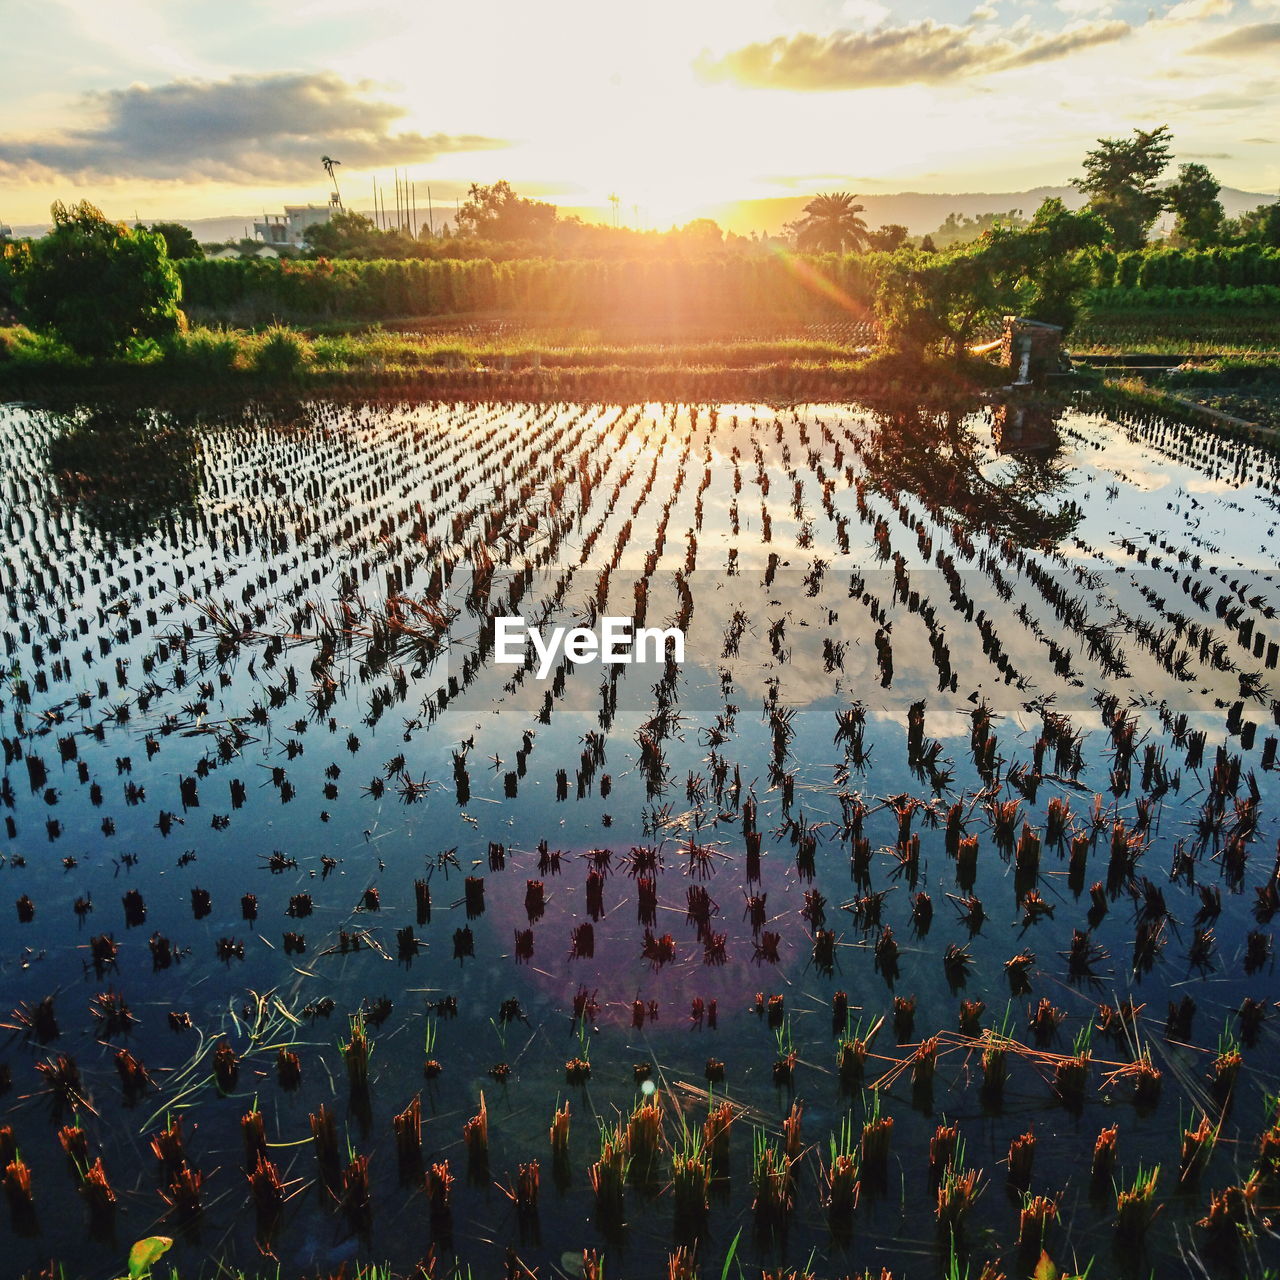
(202, 109)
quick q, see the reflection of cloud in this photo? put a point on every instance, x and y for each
(266, 128)
(924, 52)
(1208, 484)
(1255, 38)
(1148, 481)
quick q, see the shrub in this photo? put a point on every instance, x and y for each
(281, 353)
(98, 285)
(208, 352)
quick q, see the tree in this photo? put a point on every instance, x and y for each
(497, 212)
(960, 229)
(346, 235)
(701, 236)
(98, 285)
(1120, 181)
(178, 240)
(1040, 267)
(1256, 226)
(831, 224)
(885, 239)
(328, 164)
(1193, 199)
(938, 302)
(13, 258)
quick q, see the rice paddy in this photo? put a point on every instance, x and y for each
(920, 920)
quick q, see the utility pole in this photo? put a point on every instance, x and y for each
(431, 221)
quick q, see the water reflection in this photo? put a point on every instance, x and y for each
(939, 456)
(125, 470)
(262, 774)
(1027, 428)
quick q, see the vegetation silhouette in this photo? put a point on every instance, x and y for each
(97, 285)
(831, 224)
(937, 456)
(125, 470)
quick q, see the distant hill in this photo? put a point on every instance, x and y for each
(205, 230)
(919, 211)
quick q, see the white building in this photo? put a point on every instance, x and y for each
(233, 251)
(288, 227)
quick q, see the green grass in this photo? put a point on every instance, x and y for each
(565, 364)
(1235, 370)
(1222, 331)
(283, 351)
(19, 346)
(1257, 403)
(1243, 386)
(550, 350)
(501, 359)
(1179, 405)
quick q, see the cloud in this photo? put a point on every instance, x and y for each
(866, 13)
(1196, 11)
(1251, 39)
(1045, 48)
(250, 128)
(924, 52)
(1085, 8)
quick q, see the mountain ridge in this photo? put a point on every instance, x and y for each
(924, 211)
(919, 211)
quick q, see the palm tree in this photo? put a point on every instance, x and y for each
(328, 162)
(831, 224)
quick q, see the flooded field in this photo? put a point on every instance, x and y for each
(926, 908)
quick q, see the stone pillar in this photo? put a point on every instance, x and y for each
(1029, 349)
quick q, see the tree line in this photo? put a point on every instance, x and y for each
(105, 289)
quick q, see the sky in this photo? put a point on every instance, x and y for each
(190, 108)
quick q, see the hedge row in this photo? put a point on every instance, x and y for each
(804, 289)
(1192, 298)
(778, 289)
(1226, 267)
